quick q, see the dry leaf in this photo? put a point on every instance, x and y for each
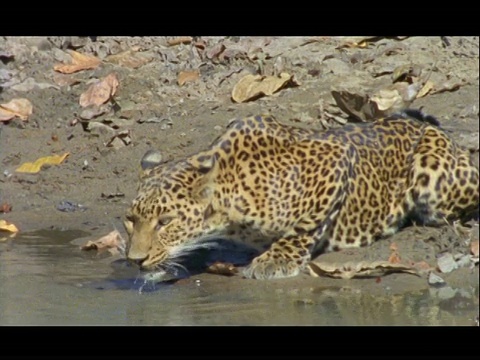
(387, 99)
(474, 248)
(79, 62)
(35, 167)
(253, 86)
(425, 89)
(219, 268)
(17, 107)
(6, 226)
(100, 92)
(358, 106)
(362, 269)
(406, 72)
(361, 43)
(394, 258)
(180, 40)
(187, 76)
(129, 58)
(111, 241)
(449, 85)
(423, 265)
(120, 140)
(5, 208)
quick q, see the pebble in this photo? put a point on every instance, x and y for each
(446, 263)
(435, 280)
(69, 206)
(151, 159)
(464, 261)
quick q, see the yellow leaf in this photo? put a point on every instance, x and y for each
(187, 76)
(35, 167)
(100, 92)
(6, 226)
(425, 89)
(17, 107)
(79, 62)
(253, 86)
(128, 58)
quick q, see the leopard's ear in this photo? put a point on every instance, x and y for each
(206, 166)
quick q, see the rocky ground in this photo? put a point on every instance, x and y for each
(105, 101)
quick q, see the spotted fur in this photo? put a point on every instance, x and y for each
(293, 193)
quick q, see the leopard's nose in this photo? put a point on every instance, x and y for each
(136, 258)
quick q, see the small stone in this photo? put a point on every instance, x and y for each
(446, 293)
(435, 280)
(197, 282)
(217, 128)
(446, 263)
(463, 261)
(151, 159)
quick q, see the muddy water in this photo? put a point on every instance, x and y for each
(45, 280)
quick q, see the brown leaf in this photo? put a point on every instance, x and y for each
(79, 62)
(112, 240)
(449, 85)
(253, 86)
(358, 106)
(214, 51)
(35, 167)
(187, 76)
(100, 92)
(361, 269)
(474, 248)
(394, 258)
(5, 208)
(129, 58)
(180, 40)
(423, 265)
(17, 107)
(219, 268)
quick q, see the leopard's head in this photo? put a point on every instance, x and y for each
(172, 214)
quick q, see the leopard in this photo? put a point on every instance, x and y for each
(293, 193)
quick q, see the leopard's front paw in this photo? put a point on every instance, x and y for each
(266, 266)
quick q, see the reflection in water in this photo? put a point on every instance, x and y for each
(44, 279)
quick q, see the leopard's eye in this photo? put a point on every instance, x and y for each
(129, 223)
(162, 222)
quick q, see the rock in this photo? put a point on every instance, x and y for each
(70, 206)
(446, 293)
(151, 159)
(337, 66)
(463, 261)
(98, 128)
(446, 263)
(435, 280)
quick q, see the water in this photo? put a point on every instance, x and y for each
(45, 280)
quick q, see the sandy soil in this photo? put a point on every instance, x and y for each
(160, 114)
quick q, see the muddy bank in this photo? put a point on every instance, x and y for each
(175, 95)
